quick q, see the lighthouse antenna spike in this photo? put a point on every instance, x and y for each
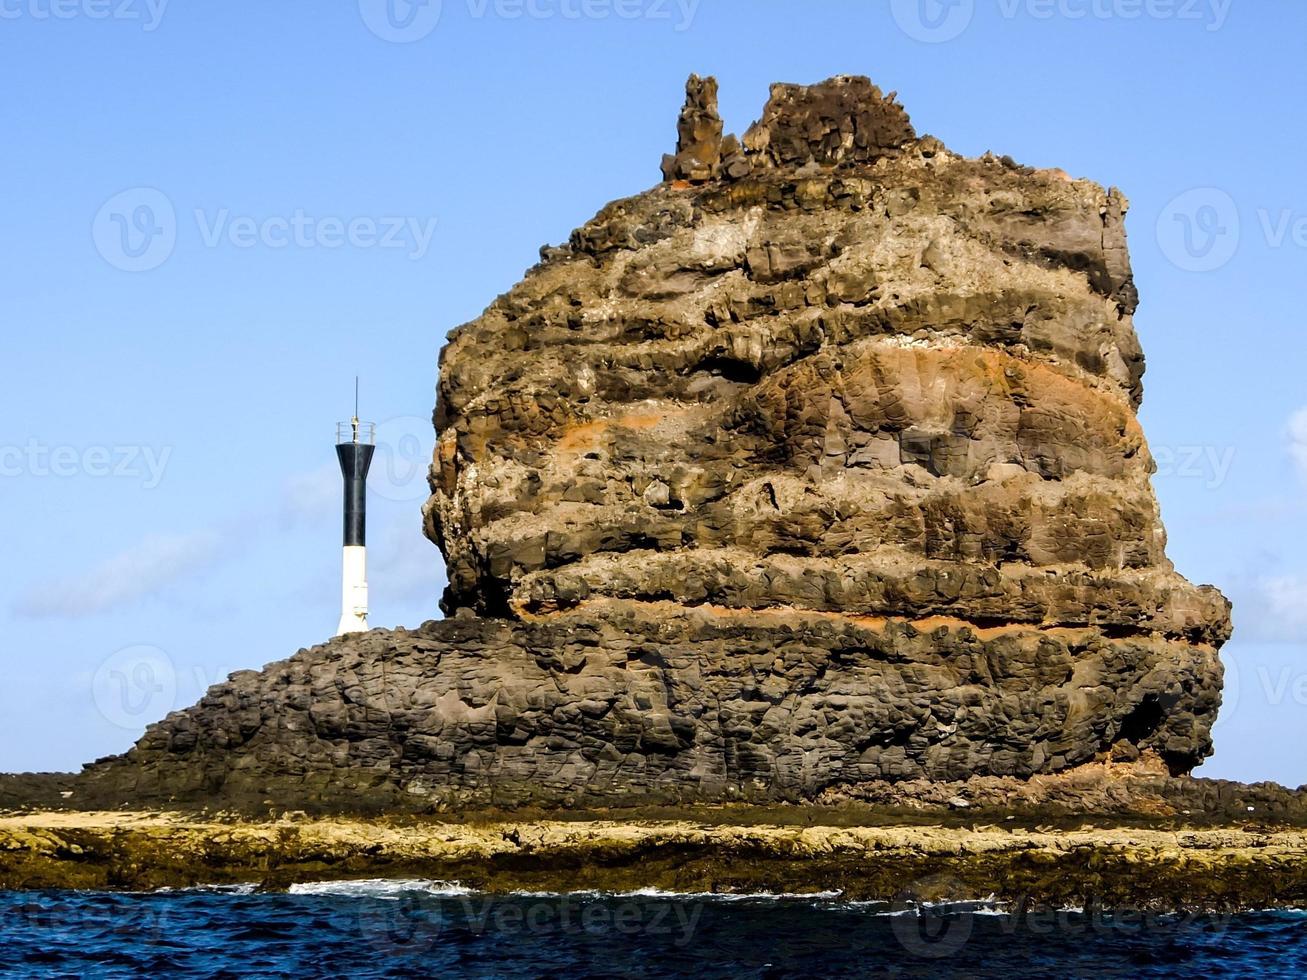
(355, 421)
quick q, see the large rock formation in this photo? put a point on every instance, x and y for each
(816, 464)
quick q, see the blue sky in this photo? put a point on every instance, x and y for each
(336, 185)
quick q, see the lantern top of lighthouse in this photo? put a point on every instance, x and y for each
(354, 432)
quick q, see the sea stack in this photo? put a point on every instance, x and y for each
(817, 464)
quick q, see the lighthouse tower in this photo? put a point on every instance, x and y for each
(355, 444)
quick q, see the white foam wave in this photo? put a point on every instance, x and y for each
(732, 896)
(394, 889)
(661, 893)
(245, 888)
(587, 893)
(382, 888)
(984, 906)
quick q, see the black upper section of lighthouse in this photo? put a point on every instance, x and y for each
(355, 458)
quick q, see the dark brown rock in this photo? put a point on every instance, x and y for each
(843, 121)
(699, 135)
(619, 702)
(816, 465)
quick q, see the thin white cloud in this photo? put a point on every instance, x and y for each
(140, 572)
(1286, 603)
(1297, 433)
(309, 498)
(406, 567)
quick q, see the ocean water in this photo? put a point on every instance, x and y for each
(428, 929)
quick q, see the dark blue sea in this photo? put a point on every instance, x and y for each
(423, 929)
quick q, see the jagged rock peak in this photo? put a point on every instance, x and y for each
(843, 121)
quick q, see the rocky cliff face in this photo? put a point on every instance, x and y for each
(817, 463)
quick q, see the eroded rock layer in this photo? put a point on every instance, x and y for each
(832, 368)
(624, 702)
(816, 464)
(889, 356)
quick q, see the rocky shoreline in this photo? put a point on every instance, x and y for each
(800, 538)
(1224, 870)
(1109, 835)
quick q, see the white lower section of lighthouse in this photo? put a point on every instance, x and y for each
(354, 591)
